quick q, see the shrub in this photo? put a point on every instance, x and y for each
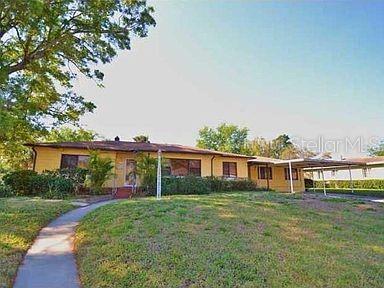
(358, 184)
(99, 171)
(185, 185)
(29, 183)
(5, 191)
(21, 182)
(204, 185)
(77, 176)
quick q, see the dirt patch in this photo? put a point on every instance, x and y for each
(318, 204)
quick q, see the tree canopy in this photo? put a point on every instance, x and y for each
(66, 134)
(377, 150)
(141, 138)
(226, 137)
(44, 45)
(234, 139)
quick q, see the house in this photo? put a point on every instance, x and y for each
(269, 173)
(182, 160)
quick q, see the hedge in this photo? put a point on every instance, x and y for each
(204, 185)
(346, 184)
(358, 192)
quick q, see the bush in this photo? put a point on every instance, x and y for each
(29, 183)
(5, 191)
(358, 184)
(99, 171)
(21, 182)
(77, 176)
(199, 185)
(357, 192)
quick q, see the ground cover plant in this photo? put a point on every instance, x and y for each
(20, 221)
(241, 239)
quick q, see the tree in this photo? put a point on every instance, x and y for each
(146, 169)
(280, 148)
(377, 150)
(99, 171)
(141, 138)
(44, 45)
(225, 138)
(67, 134)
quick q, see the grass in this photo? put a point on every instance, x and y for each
(247, 239)
(359, 192)
(20, 221)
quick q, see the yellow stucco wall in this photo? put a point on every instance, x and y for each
(278, 181)
(50, 158)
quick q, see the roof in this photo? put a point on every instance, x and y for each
(371, 161)
(305, 162)
(133, 147)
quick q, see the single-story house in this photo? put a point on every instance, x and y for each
(279, 175)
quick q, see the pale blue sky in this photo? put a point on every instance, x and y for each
(308, 69)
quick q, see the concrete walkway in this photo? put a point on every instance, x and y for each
(50, 261)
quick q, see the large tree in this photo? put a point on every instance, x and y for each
(44, 45)
(66, 134)
(226, 138)
(377, 150)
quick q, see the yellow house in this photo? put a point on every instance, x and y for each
(274, 174)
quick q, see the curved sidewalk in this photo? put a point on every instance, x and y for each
(50, 261)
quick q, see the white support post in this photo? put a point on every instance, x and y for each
(322, 175)
(350, 179)
(290, 176)
(313, 182)
(158, 186)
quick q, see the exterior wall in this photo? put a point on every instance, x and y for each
(278, 181)
(50, 159)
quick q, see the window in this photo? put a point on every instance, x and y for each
(230, 169)
(182, 167)
(295, 174)
(264, 172)
(73, 161)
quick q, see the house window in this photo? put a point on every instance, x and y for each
(230, 169)
(265, 173)
(182, 167)
(73, 161)
(295, 174)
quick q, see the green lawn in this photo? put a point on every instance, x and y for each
(248, 239)
(20, 221)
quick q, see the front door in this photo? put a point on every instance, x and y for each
(130, 172)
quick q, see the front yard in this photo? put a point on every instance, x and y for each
(20, 221)
(248, 239)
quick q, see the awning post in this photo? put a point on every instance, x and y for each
(290, 175)
(322, 176)
(158, 186)
(350, 179)
(313, 182)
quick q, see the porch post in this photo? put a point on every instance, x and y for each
(158, 186)
(267, 176)
(350, 179)
(290, 175)
(322, 176)
(313, 182)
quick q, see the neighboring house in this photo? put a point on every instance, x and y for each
(279, 175)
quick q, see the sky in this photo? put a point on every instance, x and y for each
(311, 69)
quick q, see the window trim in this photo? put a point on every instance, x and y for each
(229, 170)
(286, 174)
(270, 175)
(188, 167)
(72, 155)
